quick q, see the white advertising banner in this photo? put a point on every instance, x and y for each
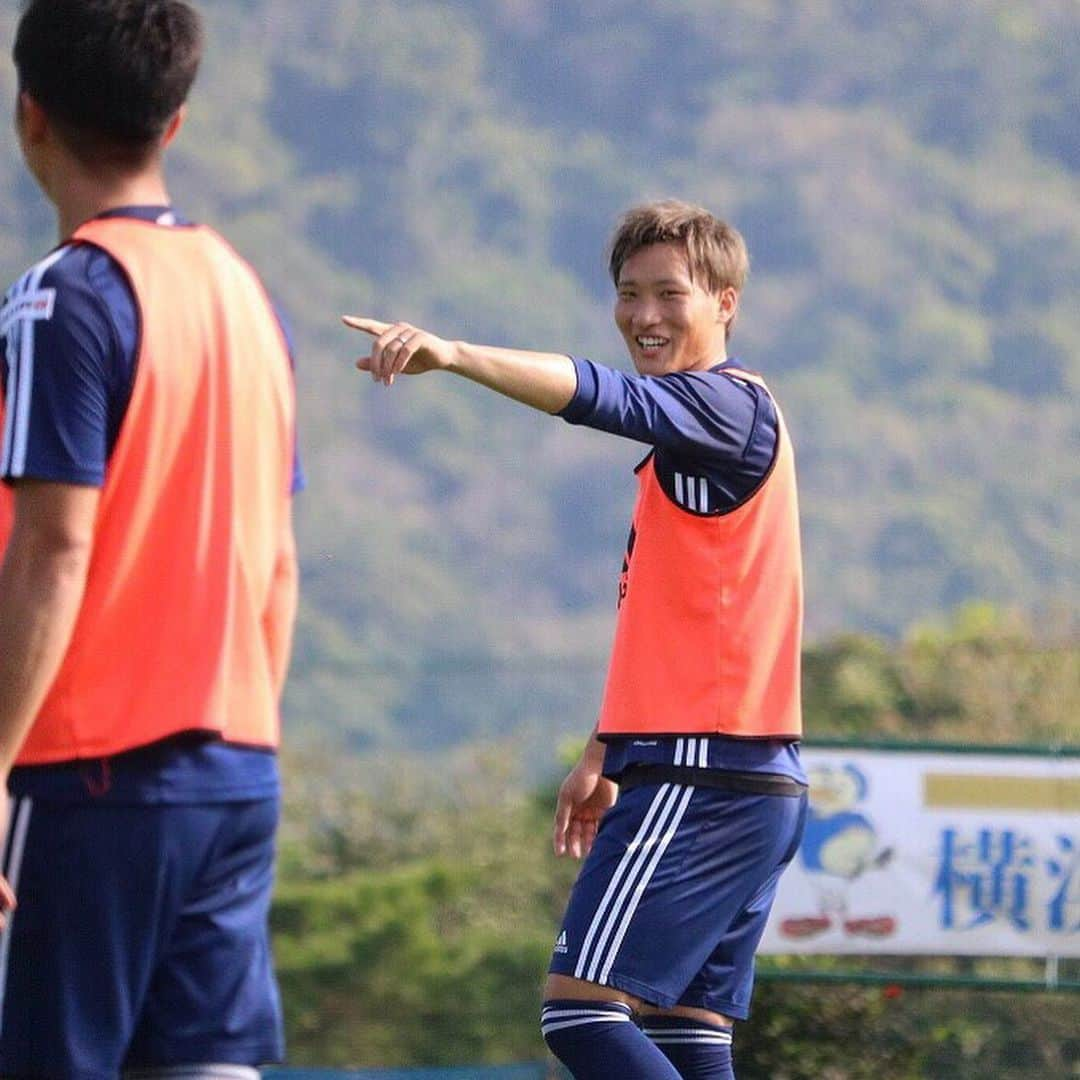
(913, 852)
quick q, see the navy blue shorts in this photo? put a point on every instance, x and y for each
(140, 938)
(673, 898)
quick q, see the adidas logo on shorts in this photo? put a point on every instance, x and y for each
(560, 943)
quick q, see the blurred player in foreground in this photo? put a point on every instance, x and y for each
(148, 583)
(689, 799)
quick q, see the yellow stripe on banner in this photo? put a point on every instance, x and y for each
(965, 791)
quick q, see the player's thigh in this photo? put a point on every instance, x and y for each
(95, 886)
(724, 982)
(213, 995)
(621, 930)
(567, 987)
(562, 987)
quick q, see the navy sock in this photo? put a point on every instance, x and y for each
(700, 1051)
(598, 1040)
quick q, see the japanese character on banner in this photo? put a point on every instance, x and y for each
(998, 877)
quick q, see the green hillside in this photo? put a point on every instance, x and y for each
(909, 185)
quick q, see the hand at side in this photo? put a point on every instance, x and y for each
(584, 797)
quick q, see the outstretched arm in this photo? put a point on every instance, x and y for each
(545, 381)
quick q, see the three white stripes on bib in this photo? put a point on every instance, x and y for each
(692, 492)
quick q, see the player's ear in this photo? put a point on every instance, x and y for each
(727, 305)
(174, 126)
(30, 118)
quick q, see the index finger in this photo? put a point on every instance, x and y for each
(369, 326)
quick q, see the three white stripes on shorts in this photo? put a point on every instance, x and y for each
(636, 869)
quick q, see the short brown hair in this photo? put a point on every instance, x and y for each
(715, 251)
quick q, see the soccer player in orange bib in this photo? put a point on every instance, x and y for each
(148, 583)
(689, 799)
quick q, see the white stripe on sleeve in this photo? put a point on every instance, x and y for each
(18, 403)
(13, 332)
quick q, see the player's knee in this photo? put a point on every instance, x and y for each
(563, 1021)
(597, 1040)
(699, 1050)
(575, 1030)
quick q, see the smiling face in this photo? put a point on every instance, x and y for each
(668, 320)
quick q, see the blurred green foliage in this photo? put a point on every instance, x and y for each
(419, 902)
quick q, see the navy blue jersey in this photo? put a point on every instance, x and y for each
(714, 438)
(69, 346)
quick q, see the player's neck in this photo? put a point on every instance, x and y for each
(83, 196)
